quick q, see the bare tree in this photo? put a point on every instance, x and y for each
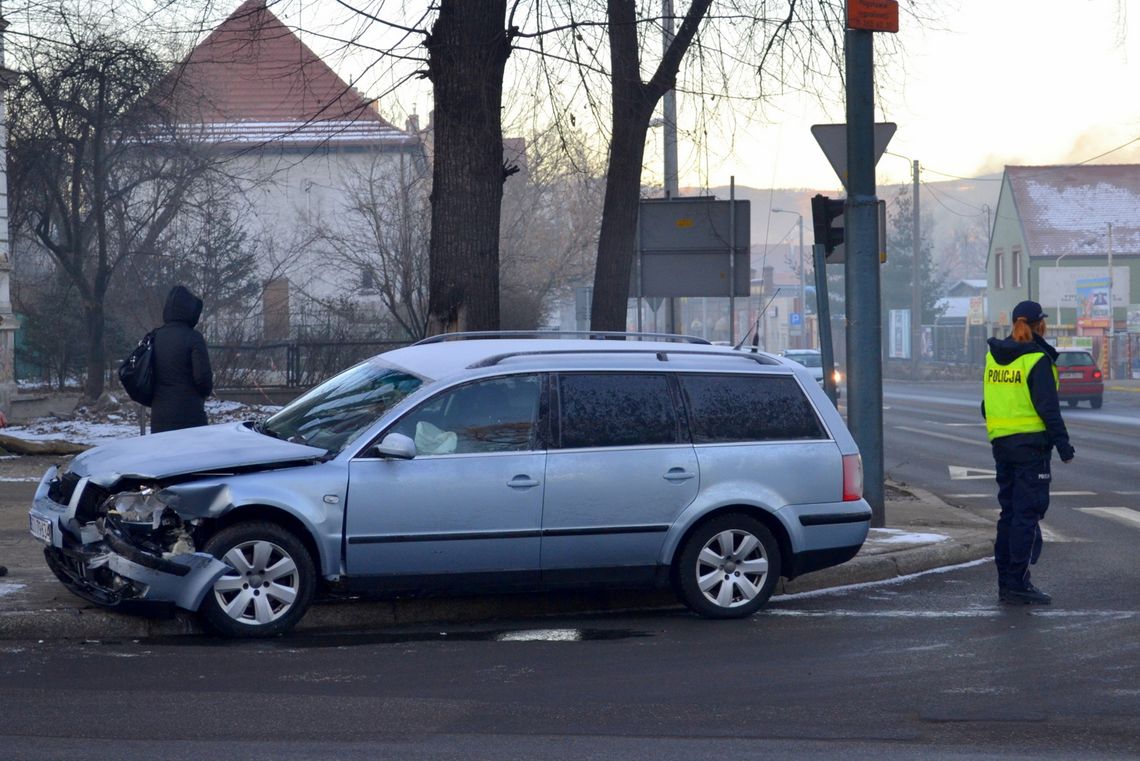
(550, 227)
(99, 170)
(381, 240)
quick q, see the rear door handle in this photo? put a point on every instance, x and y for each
(679, 474)
(522, 482)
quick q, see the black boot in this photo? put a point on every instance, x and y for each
(1027, 595)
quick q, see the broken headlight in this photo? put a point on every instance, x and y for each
(139, 508)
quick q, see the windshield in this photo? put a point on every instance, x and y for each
(807, 360)
(1071, 358)
(335, 412)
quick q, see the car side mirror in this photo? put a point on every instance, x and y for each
(396, 446)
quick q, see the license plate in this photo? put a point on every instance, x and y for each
(40, 528)
(1070, 376)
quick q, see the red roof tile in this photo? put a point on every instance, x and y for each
(253, 68)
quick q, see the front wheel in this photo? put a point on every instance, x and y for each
(728, 568)
(269, 583)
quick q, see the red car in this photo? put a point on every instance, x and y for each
(1080, 378)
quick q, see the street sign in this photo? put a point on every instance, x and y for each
(794, 319)
(832, 138)
(873, 15)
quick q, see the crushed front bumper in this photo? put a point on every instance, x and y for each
(103, 566)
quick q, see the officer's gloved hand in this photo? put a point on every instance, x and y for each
(1066, 451)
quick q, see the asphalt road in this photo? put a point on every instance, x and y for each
(930, 667)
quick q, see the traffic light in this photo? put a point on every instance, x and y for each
(823, 211)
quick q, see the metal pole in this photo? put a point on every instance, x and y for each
(732, 260)
(915, 292)
(864, 325)
(823, 314)
(803, 291)
(1111, 313)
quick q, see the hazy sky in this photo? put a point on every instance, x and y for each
(991, 82)
(999, 82)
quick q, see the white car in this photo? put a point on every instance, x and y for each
(811, 359)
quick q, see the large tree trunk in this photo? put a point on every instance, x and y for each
(467, 51)
(95, 323)
(633, 104)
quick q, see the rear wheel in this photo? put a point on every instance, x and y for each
(1071, 402)
(269, 583)
(1096, 402)
(728, 568)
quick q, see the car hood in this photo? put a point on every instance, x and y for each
(214, 447)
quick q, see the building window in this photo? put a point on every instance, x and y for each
(1015, 260)
(999, 270)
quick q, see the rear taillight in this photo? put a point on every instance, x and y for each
(852, 477)
(1096, 375)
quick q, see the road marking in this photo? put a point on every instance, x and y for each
(1072, 494)
(959, 473)
(937, 435)
(971, 496)
(1048, 534)
(965, 425)
(1125, 515)
(1127, 493)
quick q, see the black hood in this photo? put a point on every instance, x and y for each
(182, 306)
(1006, 350)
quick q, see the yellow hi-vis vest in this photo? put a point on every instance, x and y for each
(1005, 389)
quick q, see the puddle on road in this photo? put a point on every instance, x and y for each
(302, 640)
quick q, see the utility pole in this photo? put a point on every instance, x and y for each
(915, 286)
(864, 325)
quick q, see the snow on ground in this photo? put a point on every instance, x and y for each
(92, 427)
(898, 536)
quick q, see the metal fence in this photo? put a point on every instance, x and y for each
(288, 364)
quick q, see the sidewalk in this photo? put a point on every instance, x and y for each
(923, 533)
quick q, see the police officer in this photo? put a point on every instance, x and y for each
(1023, 421)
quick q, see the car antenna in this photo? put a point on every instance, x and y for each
(754, 331)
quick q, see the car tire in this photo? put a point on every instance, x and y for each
(728, 567)
(269, 584)
(1071, 402)
(1096, 402)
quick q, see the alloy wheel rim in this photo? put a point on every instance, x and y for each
(731, 568)
(260, 585)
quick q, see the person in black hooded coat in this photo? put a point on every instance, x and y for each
(183, 378)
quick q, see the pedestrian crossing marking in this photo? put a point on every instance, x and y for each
(1125, 515)
(959, 473)
(1072, 494)
(937, 435)
(1048, 534)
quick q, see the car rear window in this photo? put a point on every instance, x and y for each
(726, 408)
(1074, 358)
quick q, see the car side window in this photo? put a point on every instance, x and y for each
(726, 408)
(615, 409)
(494, 415)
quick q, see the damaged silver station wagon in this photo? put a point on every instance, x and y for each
(473, 462)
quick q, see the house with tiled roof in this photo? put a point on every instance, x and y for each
(294, 135)
(1056, 231)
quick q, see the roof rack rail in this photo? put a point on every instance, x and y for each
(662, 355)
(588, 334)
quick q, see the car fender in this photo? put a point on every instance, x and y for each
(313, 496)
(716, 501)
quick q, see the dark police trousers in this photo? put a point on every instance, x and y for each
(1023, 493)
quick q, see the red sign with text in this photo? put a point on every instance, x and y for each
(873, 15)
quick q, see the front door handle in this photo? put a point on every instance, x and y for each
(522, 482)
(679, 474)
